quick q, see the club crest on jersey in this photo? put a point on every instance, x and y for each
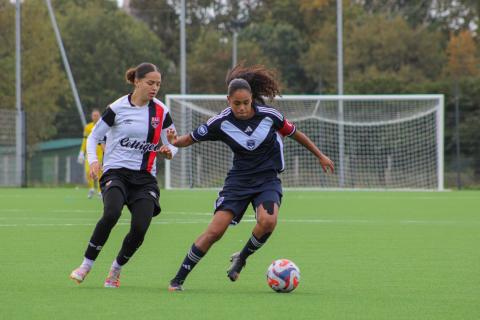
(155, 122)
(251, 144)
(202, 130)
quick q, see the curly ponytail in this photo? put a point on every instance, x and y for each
(262, 81)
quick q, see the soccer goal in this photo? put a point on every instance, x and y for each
(376, 141)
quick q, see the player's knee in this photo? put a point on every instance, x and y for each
(110, 219)
(111, 214)
(267, 224)
(213, 235)
(137, 240)
(139, 230)
(113, 205)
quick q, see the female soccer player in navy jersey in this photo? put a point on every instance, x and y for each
(254, 133)
(134, 126)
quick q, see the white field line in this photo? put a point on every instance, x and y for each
(249, 220)
(318, 194)
(100, 211)
(168, 217)
(326, 197)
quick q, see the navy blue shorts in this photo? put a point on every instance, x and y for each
(236, 198)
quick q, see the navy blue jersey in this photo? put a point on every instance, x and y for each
(256, 143)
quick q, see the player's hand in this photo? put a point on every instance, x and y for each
(81, 158)
(172, 136)
(326, 163)
(94, 170)
(166, 152)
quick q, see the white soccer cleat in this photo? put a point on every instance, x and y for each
(113, 279)
(79, 274)
(91, 192)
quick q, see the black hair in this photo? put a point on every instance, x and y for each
(238, 84)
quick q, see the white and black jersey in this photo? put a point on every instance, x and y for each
(132, 135)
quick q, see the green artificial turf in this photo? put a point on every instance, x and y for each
(362, 255)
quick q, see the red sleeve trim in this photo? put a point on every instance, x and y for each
(288, 128)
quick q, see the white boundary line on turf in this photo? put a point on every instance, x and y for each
(100, 210)
(320, 196)
(308, 221)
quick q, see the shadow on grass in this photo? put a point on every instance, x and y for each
(196, 291)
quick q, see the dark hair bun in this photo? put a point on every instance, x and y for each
(130, 75)
(140, 71)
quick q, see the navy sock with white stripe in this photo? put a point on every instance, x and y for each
(191, 259)
(253, 244)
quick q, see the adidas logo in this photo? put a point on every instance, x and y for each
(248, 129)
(186, 266)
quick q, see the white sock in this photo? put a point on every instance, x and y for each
(88, 263)
(115, 265)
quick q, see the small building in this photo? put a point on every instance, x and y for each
(54, 162)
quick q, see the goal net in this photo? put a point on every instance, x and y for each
(376, 142)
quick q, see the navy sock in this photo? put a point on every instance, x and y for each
(253, 244)
(190, 261)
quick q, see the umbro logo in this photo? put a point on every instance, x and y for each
(248, 129)
(98, 248)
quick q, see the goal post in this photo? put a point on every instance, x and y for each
(386, 142)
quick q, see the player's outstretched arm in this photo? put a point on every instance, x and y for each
(305, 141)
(180, 142)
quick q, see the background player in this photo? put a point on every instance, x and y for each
(95, 115)
(254, 133)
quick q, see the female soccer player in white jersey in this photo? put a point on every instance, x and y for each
(254, 133)
(134, 126)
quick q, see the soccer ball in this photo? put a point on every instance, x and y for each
(283, 275)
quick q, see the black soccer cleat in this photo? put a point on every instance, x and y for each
(237, 265)
(175, 285)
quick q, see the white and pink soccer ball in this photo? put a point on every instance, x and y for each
(283, 275)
